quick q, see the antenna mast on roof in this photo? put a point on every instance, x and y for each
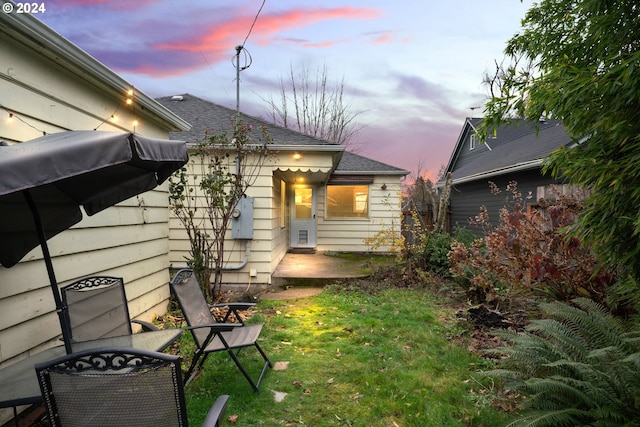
(238, 50)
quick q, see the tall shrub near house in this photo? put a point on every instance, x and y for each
(528, 251)
(426, 239)
(204, 194)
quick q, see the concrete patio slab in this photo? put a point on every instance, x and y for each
(320, 265)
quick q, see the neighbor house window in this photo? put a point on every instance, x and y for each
(347, 201)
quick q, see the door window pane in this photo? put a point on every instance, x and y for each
(304, 200)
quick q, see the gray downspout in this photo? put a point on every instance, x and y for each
(236, 267)
(244, 262)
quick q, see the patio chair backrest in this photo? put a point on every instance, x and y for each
(97, 308)
(193, 304)
(113, 387)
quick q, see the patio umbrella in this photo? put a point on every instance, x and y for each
(43, 183)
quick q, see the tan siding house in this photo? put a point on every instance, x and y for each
(48, 85)
(311, 195)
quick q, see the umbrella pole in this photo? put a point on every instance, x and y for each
(60, 308)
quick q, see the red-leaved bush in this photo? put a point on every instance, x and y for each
(528, 251)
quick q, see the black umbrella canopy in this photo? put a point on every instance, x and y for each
(43, 183)
(63, 171)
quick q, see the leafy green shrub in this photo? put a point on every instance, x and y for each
(578, 366)
(432, 253)
(436, 254)
(463, 235)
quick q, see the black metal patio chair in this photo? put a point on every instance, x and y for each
(117, 387)
(211, 336)
(97, 308)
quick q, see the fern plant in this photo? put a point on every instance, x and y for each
(577, 366)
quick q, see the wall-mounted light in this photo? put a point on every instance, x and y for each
(297, 156)
(384, 187)
(10, 118)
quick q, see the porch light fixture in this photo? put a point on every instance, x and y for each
(297, 156)
(384, 187)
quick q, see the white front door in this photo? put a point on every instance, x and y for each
(303, 217)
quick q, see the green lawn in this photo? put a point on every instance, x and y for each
(396, 358)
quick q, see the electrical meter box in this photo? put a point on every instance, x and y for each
(242, 219)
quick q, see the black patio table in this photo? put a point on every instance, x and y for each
(19, 384)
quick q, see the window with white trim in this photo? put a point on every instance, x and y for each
(347, 201)
(473, 140)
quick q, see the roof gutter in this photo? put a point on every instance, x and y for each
(300, 147)
(386, 173)
(533, 164)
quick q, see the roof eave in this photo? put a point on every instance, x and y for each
(61, 50)
(459, 142)
(301, 147)
(533, 164)
(386, 173)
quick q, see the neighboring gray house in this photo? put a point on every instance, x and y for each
(311, 196)
(514, 153)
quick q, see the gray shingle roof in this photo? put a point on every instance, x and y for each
(352, 163)
(206, 116)
(514, 145)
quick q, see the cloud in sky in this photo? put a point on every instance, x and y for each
(276, 23)
(116, 5)
(163, 48)
(386, 37)
(412, 70)
(428, 141)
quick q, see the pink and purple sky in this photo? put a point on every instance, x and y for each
(412, 69)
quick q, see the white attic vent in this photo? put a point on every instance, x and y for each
(177, 98)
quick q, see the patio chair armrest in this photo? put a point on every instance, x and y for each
(216, 413)
(216, 327)
(234, 305)
(146, 326)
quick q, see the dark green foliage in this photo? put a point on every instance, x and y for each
(436, 253)
(433, 253)
(463, 235)
(581, 60)
(577, 366)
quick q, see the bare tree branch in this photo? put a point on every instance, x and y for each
(312, 105)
